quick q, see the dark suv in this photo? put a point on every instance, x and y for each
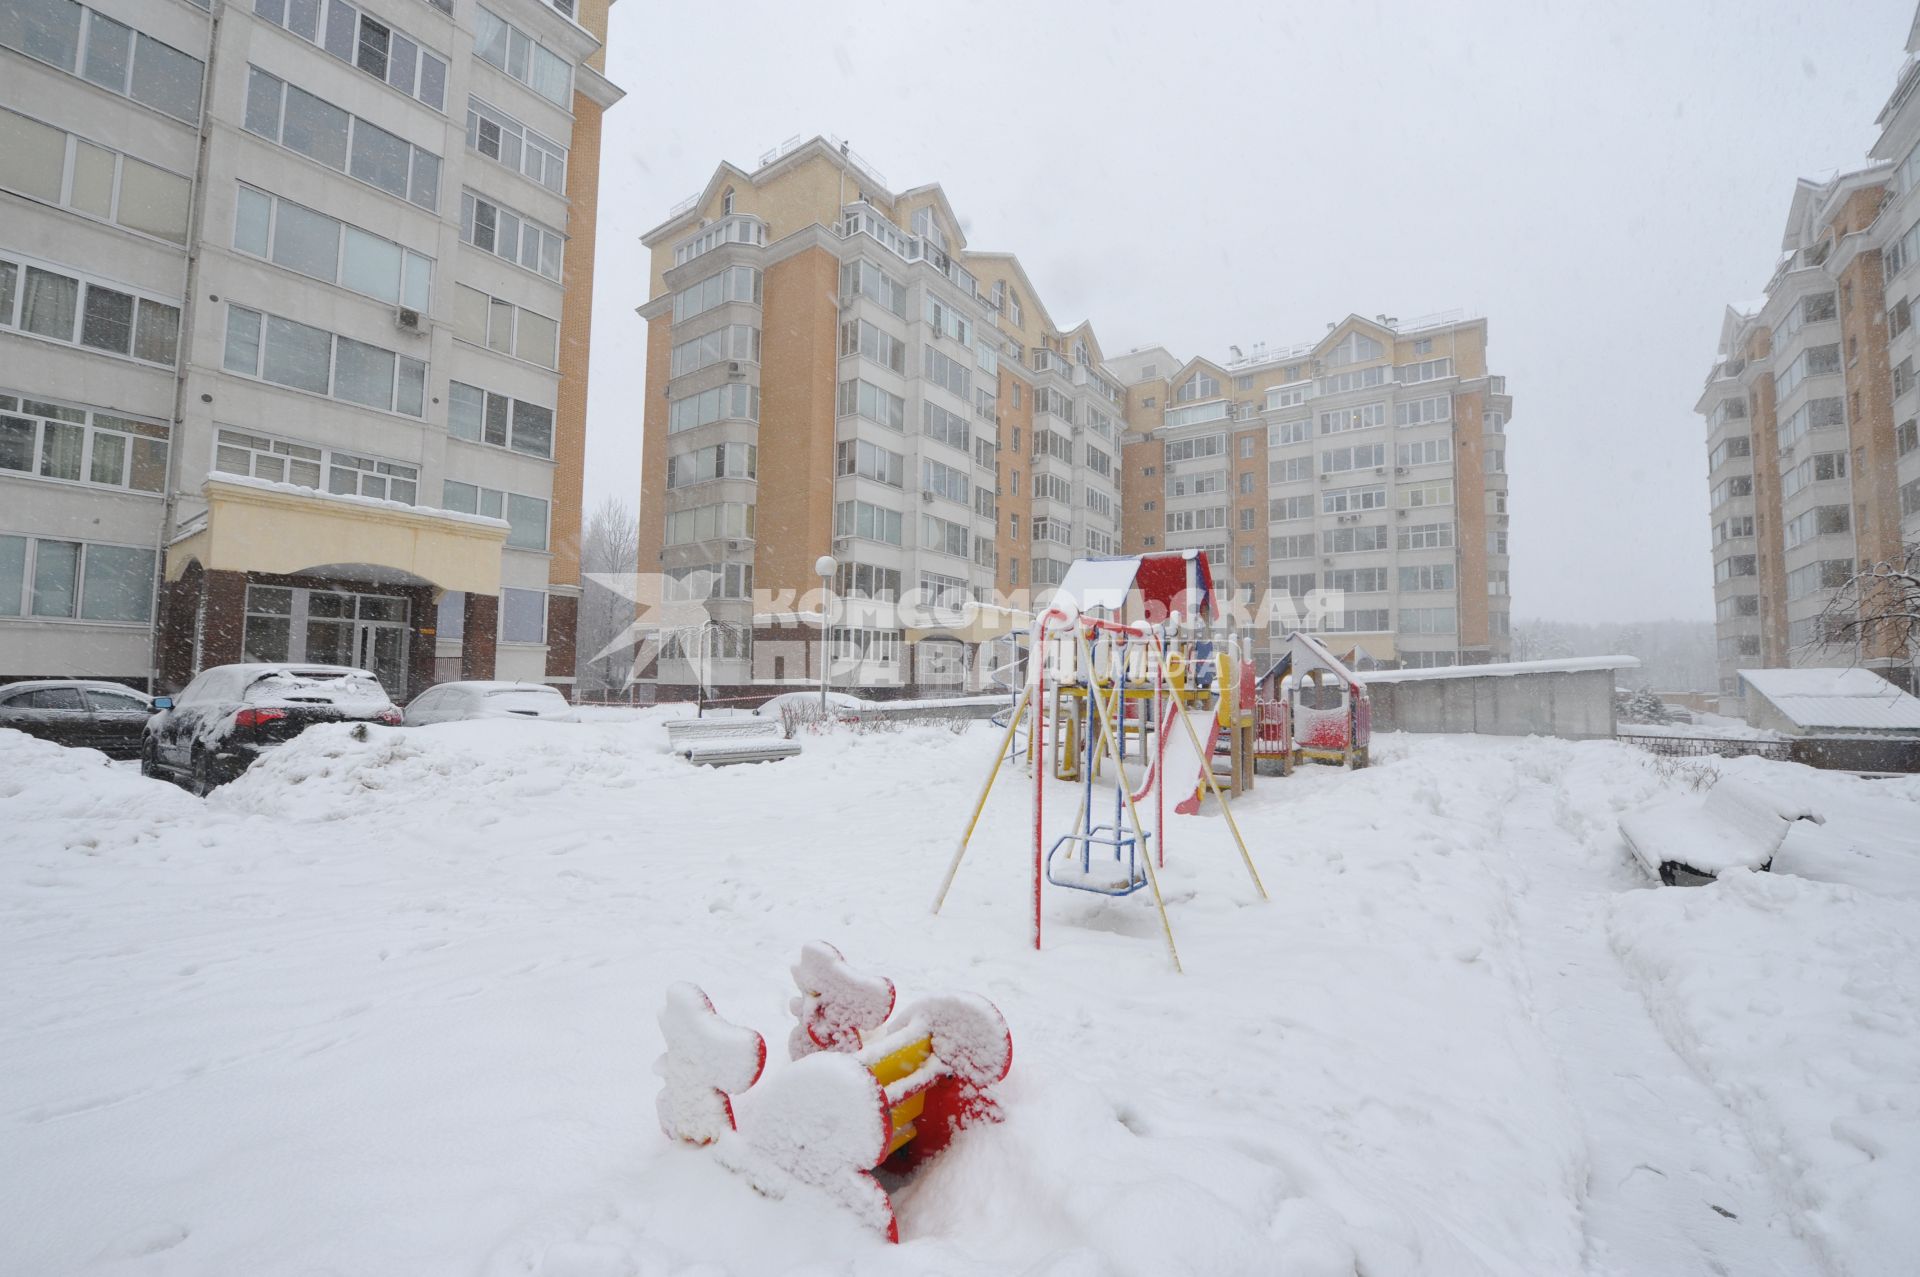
(83, 712)
(222, 720)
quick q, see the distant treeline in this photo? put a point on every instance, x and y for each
(1675, 656)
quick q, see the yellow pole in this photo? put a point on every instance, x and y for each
(1133, 814)
(1013, 725)
(1206, 774)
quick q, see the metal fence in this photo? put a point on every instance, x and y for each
(1709, 746)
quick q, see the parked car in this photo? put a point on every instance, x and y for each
(802, 709)
(457, 702)
(108, 717)
(223, 720)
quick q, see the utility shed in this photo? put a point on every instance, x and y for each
(1571, 698)
(1803, 702)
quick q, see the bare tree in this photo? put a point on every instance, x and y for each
(1877, 611)
(609, 548)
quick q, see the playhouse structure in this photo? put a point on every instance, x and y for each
(1319, 708)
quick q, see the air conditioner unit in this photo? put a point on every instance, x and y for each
(408, 319)
(733, 366)
(1399, 469)
(1327, 560)
(1379, 469)
(926, 494)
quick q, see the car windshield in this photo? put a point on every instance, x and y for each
(328, 687)
(543, 699)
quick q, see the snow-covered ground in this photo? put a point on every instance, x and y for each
(387, 1006)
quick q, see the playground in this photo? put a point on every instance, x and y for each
(396, 1005)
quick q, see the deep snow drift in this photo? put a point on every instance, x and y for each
(389, 1006)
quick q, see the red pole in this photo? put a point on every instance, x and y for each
(1042, 759)
(1162, 696)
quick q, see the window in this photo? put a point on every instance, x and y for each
(1288, 396)
(1047, 399)
(1059, 531)
(1359, 379)
(1360, 418)
(1426, 494)
(1360, 457)
(733, 402)
(1432, 576)
(1814, 361)
(1430, 452)
(1283, 433)
(319, 130)
(52, 302)
(1427, 620)
(1218, 410)
(316, 245)
(863, 580)
(81, 445)
(1494, 460)
(269, 348)
(1247, 479)
(1052, 487)
(868, 522)
(1365, 620)
(1815, 414)
(1820, 521)
(1101, 503)
(1426, 536)
(383, 52)
(1281, 509)
(718, 461)
(1202, 385)
(1356, 347)
(1730, 449)
(523, 615)
(482, 416)
(51, 165)
(708, 581)
(1357, 580)
(734, 284)
(945, 537)
(119, 59)
(1427, 370)
(1826, 574)
(856, 644)
(499, 42)
(858, 337)
(864, 279)
(1202, 519)
(500, 137)
(1420, 412)
(1361, 540)
(1192, 449)
(1339, 500)
(309, 466)
(950, 373)
(496, 229)
(945, 320)
(76, 580)
(864, 399)
(871, 461)
(501, 326)
(1906, 437)
(944, 481)
(1291, 547)
(736, 343)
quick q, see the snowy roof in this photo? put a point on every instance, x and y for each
(1570, 665)
(1845, 698)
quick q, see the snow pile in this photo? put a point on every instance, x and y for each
(836, 1004)
(384, 1005)
(706, 1061)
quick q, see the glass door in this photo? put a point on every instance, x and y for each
(383, 649)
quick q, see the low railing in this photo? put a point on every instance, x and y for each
(1708, 746)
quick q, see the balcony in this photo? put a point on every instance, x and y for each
(741, 228)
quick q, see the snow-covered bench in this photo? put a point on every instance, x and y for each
(716, 742)
(1736, 826)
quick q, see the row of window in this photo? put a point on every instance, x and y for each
(1814, 414)
(80, 445)
(327, 249)
(307, 465)
(494, 228)
(54, 304)
(290, 116)
(735, 401)
(499, 42)
(484, 416)
(507, 329)
(1814, 361)
(52, 165)
(526, 516)
(76, 580)
(500, 137)
(302, 357)
(1739, 525)
(708, 581)
(1818, 468)
(1826, 574)
(110, 54)
(381, 50)
(717, 461)
(1820, 521)
(709, 522)
(1731, 448)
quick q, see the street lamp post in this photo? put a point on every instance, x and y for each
(825, 566)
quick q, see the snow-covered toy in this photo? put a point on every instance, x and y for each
(865, 1093)
(1327, 713)
(1691, 840)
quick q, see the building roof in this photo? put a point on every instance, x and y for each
(1851, 699)
(1569, 665)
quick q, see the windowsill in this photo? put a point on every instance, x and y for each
(345, 404)
(82, 485)
(94, 351)
(76, 620)
(501, 354)
(494, 449)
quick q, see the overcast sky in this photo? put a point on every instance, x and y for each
(1598, 180)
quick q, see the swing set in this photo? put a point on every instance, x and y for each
(1166, 688)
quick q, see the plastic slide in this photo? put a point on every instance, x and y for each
(1183, 765)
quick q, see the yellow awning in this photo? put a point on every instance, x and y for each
(252, 526)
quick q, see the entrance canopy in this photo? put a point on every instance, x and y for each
(252, 525)
(1159, 584)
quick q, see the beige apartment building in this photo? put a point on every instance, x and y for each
(295, 300)
(1812, 456)
(832, 370)
(1371, 463)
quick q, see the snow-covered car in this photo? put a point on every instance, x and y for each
(802, 708)
(109, 717)
(219, 723)
(457, 702)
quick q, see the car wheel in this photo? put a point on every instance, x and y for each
(149, 764)
(200, 781)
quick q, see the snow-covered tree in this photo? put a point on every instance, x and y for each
(610, 547)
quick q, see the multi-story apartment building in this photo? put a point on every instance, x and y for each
(1371, 462)
(294, 311)
(1812, 456)
(831, 370)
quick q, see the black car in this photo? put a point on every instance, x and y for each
(108, 717)
(219, 723)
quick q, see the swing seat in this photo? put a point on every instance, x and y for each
(1117, 871)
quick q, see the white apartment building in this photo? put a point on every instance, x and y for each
(282, 293)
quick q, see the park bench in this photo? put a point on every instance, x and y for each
(1692, 840)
